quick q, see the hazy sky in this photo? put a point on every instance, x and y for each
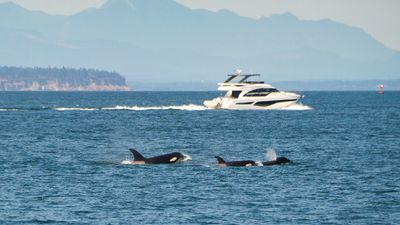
(380, 18)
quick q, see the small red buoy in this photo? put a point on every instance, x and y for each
(381, 89)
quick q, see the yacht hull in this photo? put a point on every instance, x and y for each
(219, 103)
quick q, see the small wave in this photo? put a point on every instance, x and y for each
(297, 106)
(190, 107)
(75, 109)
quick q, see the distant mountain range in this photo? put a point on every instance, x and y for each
(163, 41)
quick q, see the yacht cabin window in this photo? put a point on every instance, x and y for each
(260, 92)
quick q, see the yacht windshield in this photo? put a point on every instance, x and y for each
(243, 78)
(233, 94)
(236, 94)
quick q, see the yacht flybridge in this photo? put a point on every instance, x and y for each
(244, 94)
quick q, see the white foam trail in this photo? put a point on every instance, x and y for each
(190, 107)
(75, 109)
(271, 154)
(297, 106)
(118, 107)
(4, 110)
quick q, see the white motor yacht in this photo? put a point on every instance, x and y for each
(244, 94)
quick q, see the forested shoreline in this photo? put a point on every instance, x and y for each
(59, 79)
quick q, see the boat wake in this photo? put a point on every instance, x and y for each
(297, 106)
(75, 109)
(9, 109)
(189, 107)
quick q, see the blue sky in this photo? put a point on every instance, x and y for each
(380, 18)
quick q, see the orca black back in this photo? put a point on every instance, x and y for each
(165, 159)
(222, 162)
(279, 160)
(161, 159)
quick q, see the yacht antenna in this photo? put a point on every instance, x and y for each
(238, 71)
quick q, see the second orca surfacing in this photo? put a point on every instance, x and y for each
(245, 163)
(277, 161)
(173, 157)
(223, 163)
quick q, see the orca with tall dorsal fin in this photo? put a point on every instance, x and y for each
(222, 163)
(161, 159)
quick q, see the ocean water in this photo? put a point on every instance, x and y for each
(61, 159)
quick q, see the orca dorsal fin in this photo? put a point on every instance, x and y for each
(136, 155)
(220, 160)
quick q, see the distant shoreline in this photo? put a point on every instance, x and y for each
(59, 79)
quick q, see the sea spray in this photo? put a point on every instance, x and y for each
(126, 162)
(271, 154)
(186, 157)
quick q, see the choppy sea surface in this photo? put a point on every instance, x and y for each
(62, 154)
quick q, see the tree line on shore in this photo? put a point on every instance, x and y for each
(62, 75)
